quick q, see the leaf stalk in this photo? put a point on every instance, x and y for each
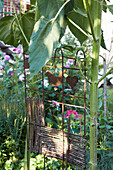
(20, 25)
(60, 10)
(89, 17)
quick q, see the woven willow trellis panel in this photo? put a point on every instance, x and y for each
(50, 141)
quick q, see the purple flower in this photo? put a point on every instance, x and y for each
(70, 61)
(1, 67)
(67, 66)
(18, 50)
(4, 53)
(18, 100)
(7, 57)
(55, 103)
(68, 89)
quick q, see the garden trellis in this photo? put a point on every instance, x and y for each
(52, 142)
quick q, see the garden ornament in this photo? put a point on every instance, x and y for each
(55, 81)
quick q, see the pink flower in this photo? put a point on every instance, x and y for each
(7, 57)
(11, 73)
(17, 50)
(1, 67)
(66, 116)
(70, 61)
(67, 66)
(70, 112)
(75, 114)
(80, 116)
(14, 49)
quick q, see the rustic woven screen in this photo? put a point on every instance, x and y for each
(52, 142)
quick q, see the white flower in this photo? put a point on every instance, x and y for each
(46, 84)
(21, 77)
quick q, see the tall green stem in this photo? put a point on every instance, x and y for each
(93, 107)
(97, 10)
(94, 10)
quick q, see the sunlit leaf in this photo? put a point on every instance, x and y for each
(78, 21)
(46, 34)
(43, 41)
(49, 8)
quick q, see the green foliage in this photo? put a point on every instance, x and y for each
(78, 21)
(103, 45)
(46, 34)
(48, 30)
(10, 30)
(110, 7)
(12, 113)
(105, 141)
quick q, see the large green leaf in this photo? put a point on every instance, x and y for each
(27, 26)
(78, 21)
(110, 7)
(10, 32)
(46, 33)
(43, 41)
(7, 32)
(49, 8)
(75, 25)
(1, 4)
